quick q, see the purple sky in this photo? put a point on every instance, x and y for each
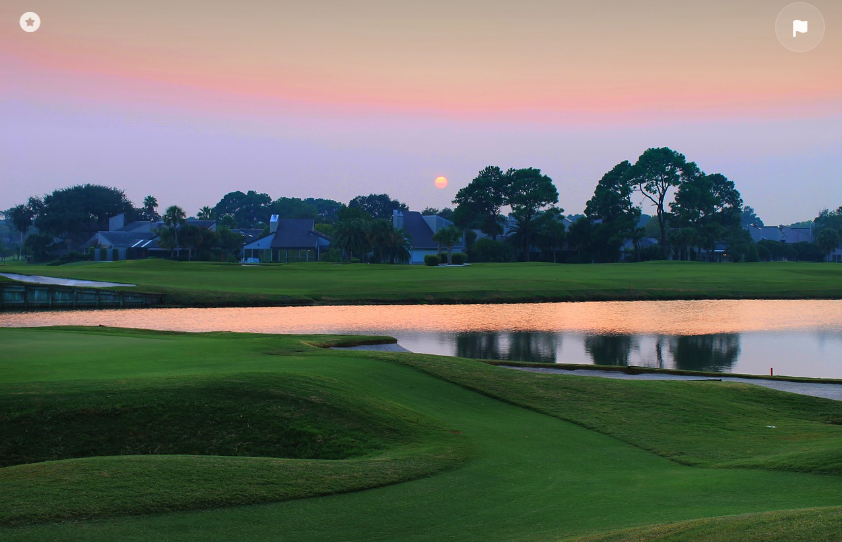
(189, 114)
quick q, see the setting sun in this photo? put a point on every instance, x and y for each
(441, 182)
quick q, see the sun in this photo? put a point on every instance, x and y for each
(441, 182)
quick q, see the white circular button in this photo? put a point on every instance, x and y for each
(800, 27)
(30, 22)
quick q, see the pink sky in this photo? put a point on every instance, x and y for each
(335, 99)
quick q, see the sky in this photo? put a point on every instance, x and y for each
(189, 100)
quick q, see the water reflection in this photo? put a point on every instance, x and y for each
(610, 349)
(539, 347)
(717, 352)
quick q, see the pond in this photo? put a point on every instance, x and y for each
(796, 338)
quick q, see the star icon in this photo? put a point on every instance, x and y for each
(30, 21)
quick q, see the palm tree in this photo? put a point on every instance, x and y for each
(379, 236)
(150, 208)
(448, 236)
(400, 247)
(174, 217)
(206, 213)
(350, 236)
(827, 240)
(21, 217)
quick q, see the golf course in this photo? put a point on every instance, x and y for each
(203, 284)
(120, 434)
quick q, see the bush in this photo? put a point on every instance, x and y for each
(459, 258)
(488, 250)
(432, 260)
(355, 260)
(332, 255)
(808, 252)
(71, 257)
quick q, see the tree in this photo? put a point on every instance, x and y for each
(579, 238)
(206, 213)
(37, 246)
(150, 209)
(174, 218)
(446, 213)
(448, 236)
(399, 246)
(551, 232)
(378, 206)
(708, 207)
(191, 237)
(529, 194)
(613, 214)
(327, 209)
(378, 235)
(249, 210)
(350, 236)
(22, 217)
(293, 208)
(827, 240)
(750, 218)
(480, 202)
(231, 243)
(654, 174)
(81, 209)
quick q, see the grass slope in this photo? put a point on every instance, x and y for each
(528, 476)
(217, 284)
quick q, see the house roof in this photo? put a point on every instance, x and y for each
(123, 239)
(418, 230)
(296, 233)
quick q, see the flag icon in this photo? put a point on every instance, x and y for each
(799, 27)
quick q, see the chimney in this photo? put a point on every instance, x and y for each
(397, 219)
(116, 222)
(273, 224)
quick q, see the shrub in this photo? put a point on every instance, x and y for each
(432, 260)
(459, 258)
(332, 255)
(355, 260)
(71, 257)
(488, 250)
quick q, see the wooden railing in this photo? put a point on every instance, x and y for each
(41, 297)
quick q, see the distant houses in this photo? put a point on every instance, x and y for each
(289, 240)
(420, 230)
(783, 234)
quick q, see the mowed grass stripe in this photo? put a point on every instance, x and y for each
(208, 284)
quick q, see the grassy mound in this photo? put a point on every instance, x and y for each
(814, 525)
(89, 449)
(243, 415)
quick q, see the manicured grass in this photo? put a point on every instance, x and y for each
(484, 447)
(216, 284)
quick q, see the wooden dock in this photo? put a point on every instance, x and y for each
(21, 297)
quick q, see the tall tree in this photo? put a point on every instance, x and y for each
(150, 209)
(293, 208)
(709, 207)
(174, 218)
(827, 240)
(655, 173)
(249, 210)
(529, 194)
(206, 213)
(749, 217)
(350, 236)
(551, 231)
(479, 203)
(614, 215)
(379, 206)
(22, 217)
(81, 209)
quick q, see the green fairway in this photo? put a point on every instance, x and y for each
(217, 284)
(389, 446)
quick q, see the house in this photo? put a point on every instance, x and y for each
(289, 240)
(420, 230)
(134, 240)
(783, 234)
